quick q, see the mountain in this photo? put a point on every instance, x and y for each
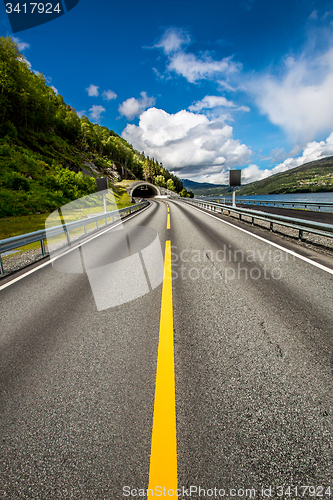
(49, 155)
(315, 176)
(203, 188)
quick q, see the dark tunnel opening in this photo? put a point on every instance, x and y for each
(144, 191)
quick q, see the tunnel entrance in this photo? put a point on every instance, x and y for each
(145, 191)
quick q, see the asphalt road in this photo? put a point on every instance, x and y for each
(250, 352)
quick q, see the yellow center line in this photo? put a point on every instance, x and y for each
(163, 458)
(168, 221)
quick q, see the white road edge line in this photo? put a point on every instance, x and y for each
(70, 250)
(309, 261)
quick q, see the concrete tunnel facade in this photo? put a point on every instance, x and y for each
(143, 189)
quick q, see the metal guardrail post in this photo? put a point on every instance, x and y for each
(1, 266)
(42, 245)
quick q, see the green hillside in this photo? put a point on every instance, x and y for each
(48, 155)
(312, 177)
(315, 176)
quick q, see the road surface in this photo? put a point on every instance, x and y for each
(230, 372)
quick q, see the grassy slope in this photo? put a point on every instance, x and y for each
(316, 176)
(30, 183)
(310, 177)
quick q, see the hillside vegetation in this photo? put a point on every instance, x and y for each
(48, 155)
(312, 177)
(315, 176)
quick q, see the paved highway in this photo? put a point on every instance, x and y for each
(219, 378)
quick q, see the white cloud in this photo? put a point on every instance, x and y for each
(25, 61)
(135, 107)
(108, 95)
(254, 173)
(191, 66)
(314, 15)
(95, 113)
(195, 68)
(301, 99)
(313, 151)
(81, 113)
(173, 40)
(187, 143)
(54, 89)
(213, 101)
(226, 86)
(250, 173)
(21, 45)
(92, 90)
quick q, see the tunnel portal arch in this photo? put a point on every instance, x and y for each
(144, 190)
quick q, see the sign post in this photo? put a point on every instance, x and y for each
(102, 185)
(234, 181)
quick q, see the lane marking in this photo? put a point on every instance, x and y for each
(168, 220)
(291, 252)
(163, 458)
(70, 250)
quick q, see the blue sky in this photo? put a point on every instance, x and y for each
(203, 86)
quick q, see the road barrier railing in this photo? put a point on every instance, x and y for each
(301, 225)
(26, 239)
(277, 203)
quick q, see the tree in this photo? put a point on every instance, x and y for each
(170, 185)
(159, 180)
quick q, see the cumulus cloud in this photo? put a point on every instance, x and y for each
(253, 173)
(191, 66)
(21, 45)
(300, 100)
(213, 101)
(187, 143)
(135, 107)
(313, 151)
(108, 95)
(92, 90)
(95, 113)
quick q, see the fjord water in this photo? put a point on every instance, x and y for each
(292, 197)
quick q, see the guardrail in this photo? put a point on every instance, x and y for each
(304, 204)
(25, 239)
(301, 225)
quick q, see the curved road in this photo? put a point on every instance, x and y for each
(231, 372)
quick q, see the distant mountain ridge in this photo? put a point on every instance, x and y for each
(204, 188)
(200, 185)
(311, 177)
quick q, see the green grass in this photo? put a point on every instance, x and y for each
(22, 224)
